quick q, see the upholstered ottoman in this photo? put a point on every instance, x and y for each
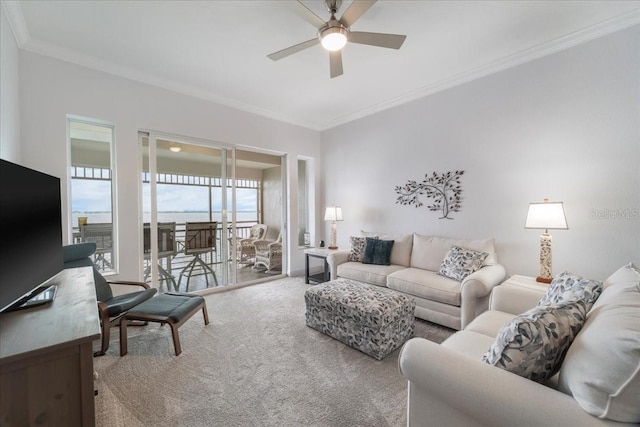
(171, 308)
(369, 318)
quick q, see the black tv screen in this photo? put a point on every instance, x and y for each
(31, 238)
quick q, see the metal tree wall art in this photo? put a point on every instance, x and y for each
(444, 189)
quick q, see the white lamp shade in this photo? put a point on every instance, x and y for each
(333, 213)
(546, 215)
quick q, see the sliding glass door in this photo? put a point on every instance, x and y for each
(200, 203)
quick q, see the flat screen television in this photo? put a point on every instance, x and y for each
(31, 238)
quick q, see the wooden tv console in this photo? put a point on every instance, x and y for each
(46, 357)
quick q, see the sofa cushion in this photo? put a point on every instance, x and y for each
(368, 273)
(377, 251)
(628, 275)
(534, 343)
(429, 251)
(357, 248)
(426, 284)
(567, 287)
(469, 343)
(401, 251)
(489, 323)
(461, 262)
(602, 367)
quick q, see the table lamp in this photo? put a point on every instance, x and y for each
(333, 213)
(546, 215)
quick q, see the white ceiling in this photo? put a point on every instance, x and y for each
(217, 50)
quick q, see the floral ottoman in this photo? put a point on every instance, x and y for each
(368, 318)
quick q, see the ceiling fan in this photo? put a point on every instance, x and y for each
(335, 33)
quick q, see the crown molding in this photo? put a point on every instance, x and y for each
(598, 30)
(16, 22)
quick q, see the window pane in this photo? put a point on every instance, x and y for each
(92, 189)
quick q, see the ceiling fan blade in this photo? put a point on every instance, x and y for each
(305, 13)
(335, 63)
(392, 41)
(293, 49)
(355, 11)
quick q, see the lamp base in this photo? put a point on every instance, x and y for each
(543, 280)
(332, 247)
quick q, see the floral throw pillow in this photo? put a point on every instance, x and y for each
(357, 249)
(567, 287)
(461, 262)
(534, 343)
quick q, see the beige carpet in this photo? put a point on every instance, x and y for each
(255, 364)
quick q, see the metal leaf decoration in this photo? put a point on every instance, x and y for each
(443, 188)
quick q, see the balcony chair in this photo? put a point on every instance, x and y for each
(167, 248)
(244, 249)
(268, 253)
(102, 235)
(200, 238)
(110, 308)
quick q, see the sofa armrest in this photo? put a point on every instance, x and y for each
(334, 259)
(447, 388)
(475, 290)
(514, 299)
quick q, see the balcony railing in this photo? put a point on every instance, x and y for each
(173, 263)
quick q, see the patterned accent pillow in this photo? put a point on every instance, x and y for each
(357, 248)
(377, 251)
(534, 343)
(567, 287)
(461, 262)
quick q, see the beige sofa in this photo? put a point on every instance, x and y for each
(598, 383)
(415, 260)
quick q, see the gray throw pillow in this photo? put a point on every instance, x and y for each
(534, 343)
(377, 251)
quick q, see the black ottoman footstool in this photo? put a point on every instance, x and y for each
(171, 308)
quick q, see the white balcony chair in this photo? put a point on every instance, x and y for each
(245, 251)
(268, 254)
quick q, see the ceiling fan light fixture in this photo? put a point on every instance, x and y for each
(333, 38)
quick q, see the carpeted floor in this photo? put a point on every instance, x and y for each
(255, 364)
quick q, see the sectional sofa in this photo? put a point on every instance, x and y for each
(413, 270)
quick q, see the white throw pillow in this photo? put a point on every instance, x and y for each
(602, 367)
